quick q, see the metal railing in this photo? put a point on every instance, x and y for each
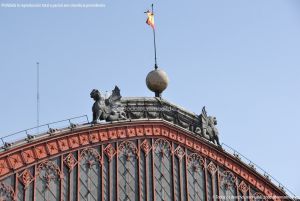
(35, 131)
(258, 169)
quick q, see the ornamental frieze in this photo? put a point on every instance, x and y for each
(114, 108)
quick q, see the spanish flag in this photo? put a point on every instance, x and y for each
(150, 19)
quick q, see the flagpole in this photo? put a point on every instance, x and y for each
(155, 59)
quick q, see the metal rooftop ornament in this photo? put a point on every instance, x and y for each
(108, 109)
(208, 127)
(157, 80)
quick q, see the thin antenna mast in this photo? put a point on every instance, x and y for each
(38, 96)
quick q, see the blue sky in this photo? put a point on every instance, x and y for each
(239, 58)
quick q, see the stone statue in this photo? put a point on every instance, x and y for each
(208, 128)
(109, 109)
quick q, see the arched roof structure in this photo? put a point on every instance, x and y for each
(154, 154)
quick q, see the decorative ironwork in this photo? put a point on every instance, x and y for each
(110, 151)
(89, 170)
(162, 169)
(227, 179)
(48, 171)
(195, 161)
(259, 197)
(29, 155)
(151, 171)
(146, 147)
(91, 156)
(6, 192)
(212, 168)
(162, 146)
(179, 152)
(26, 178)
(70, 161)
(243, 187)
(127, 161)
(129, 149)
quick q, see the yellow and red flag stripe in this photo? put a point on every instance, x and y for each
(150, 19)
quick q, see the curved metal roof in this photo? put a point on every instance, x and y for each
(156, 147)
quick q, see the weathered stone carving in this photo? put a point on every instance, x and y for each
(109, 109)
(208, 128)
(137, 115)
(168, 117)
(182, 122)
(153, 115)
(152, 108)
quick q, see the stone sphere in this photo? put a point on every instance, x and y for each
(157, 80)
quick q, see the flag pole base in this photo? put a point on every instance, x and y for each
(157, 94)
